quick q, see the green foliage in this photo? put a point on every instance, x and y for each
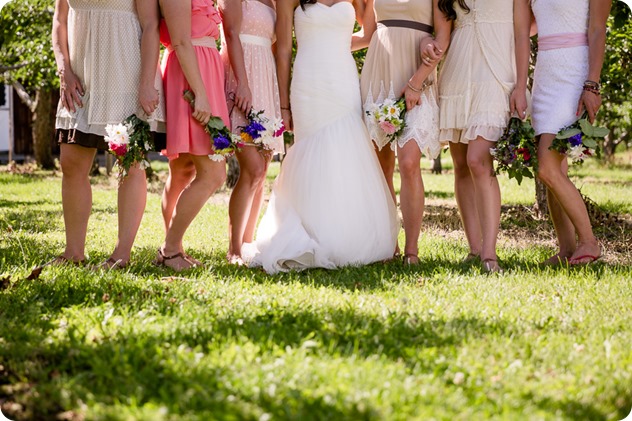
(616, 110)
(25, 39)
(382, 342)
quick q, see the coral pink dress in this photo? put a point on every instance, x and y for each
(184, 133)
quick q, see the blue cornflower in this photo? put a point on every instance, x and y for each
(221, 142)
(575, 140)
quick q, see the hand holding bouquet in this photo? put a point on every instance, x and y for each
(223, 143)
(129, 141)
(515, 152)
(579, 140)
(389, 117)
(260, 130)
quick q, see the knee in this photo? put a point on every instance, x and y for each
(75, 167)
(253, 175)
(409, 168)
(479, 167)
(211, 181)
(461, 168)
(548, 174)
(182, 174)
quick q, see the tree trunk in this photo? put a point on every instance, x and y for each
(436, 165)
(541, 205)
(43, 129)
(232, 173)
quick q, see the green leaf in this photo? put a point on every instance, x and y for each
(565, 134)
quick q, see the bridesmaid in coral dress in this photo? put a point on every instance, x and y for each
(189, 30)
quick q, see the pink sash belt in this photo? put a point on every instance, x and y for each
(566, 40)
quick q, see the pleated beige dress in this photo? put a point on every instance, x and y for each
(392, 58)
(479, 73)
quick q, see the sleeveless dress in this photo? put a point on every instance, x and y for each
(559, 72)
(184, 133)
(479, 73)
(330, 206)
(104, 48)
(257, 37)
(392, 58)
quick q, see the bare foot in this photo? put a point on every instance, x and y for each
(557, 259)
(491, 266)
(178, 261)
(585, 253)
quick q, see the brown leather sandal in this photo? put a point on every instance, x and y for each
(161, 260)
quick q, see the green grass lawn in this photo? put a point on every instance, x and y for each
(439, 341)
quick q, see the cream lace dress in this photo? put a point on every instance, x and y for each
(479, 73)
(104, 47)
(392, 58)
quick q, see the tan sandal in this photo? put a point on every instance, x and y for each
(491, 266)
(110, 264)
(410, 259)
(161, 260)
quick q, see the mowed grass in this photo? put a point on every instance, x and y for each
(438, 341)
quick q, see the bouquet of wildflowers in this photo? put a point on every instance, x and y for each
(579, 140)
(515, 152)
(389, 117)
(223, 143)
(129, 141)
(260, 131)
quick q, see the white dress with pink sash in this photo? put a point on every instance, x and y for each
(562, 64)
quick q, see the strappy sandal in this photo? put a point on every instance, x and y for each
(111, 264)
(57, 261)
(161, 260)
(410, 259)
(491, 266)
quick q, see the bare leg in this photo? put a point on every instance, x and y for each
(387, 161)
(465, 198)
(411, 195)
(76, 196)
(487, 196)
(132, 198)
(554, 176)
(241, 208)
(210, 175)
(181, 172)
(386, 157)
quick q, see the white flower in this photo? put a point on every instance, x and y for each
(147, 146)
(576, 153)
(144, 164)
(117, 133)
(216, 157)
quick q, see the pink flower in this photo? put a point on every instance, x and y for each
(387, 127)
(118, 149)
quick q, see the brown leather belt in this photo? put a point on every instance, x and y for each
(400, 23)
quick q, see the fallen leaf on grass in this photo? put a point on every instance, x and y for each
(5, 283)
(35, 274)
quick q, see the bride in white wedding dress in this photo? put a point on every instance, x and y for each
(330, 206)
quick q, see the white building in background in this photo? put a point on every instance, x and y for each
(5, 118)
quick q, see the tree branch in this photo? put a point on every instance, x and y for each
(4, 68)
(24, 96)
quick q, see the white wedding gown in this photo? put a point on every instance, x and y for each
(330, 206)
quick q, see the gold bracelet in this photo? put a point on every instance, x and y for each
(412, 88)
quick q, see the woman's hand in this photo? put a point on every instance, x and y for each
(286, 115)
(518, 103)
(148, 98)
(591, 102)
(71, 90)
(413, 97)
(430, 51)
(243, 97)
(201, 109)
